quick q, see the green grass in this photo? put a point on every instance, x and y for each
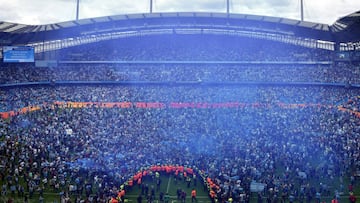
(170, 186)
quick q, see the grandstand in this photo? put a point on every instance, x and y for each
(259, 108)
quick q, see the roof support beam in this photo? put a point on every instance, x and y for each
(151, 6)
(228, 7)
(77, 9)
(302, 10)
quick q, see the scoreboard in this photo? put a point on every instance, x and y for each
(18, 54)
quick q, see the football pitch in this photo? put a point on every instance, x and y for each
(170, 185)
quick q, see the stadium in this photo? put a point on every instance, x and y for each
(149, 107)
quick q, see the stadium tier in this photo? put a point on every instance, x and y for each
(252, 108)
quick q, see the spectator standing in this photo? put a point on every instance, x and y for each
(334, 200)
(193, 195)
(352, 198)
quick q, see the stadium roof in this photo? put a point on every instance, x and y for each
(7, 27)
(346, 28)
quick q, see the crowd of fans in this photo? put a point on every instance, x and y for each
(353, 104)
(16, 98)
(192, 47)
(337, 73)
(234, 146)
(272, 61)
(304, 151)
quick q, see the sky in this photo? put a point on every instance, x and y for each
(39, 12)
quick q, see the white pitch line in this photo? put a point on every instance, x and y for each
(168, 185)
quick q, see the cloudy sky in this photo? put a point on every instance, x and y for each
(36, 12)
